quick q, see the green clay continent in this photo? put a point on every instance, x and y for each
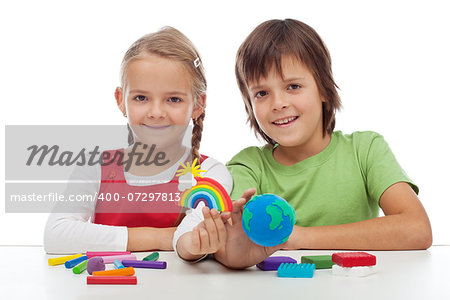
(246, 217)
(276, 215)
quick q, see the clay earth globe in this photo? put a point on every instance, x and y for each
(268, 220)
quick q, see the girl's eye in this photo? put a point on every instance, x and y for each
(174, 100)
(260, 94)
(140, 98)
(293, 87)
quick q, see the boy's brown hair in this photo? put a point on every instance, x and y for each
(265, 47)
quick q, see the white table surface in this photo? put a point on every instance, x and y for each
(25, 274)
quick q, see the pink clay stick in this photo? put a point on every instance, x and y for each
(111, 259)
(106, 253)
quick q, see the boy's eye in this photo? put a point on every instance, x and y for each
(260, 94)
(293, 87)
(140, 98)
(174, 100)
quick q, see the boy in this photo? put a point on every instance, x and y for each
(335, 182)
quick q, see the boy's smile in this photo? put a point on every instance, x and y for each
(288, 108)
(284, 122)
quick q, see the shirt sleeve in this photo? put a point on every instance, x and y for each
(244, 169)
(214, 170)
(382, 169)
(69, 230)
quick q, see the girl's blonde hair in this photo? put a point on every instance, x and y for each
(172, 44)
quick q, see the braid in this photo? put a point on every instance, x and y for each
(130, 135)
(197, 137)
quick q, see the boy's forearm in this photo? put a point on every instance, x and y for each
(393, 232)
(149, 238)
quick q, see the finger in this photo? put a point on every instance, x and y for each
(238, 205)
(195, 241)
(247, 194)
(225, 216)
(201, 225)
(204, 240)
(236, 214)
(211, 226)
(205, 211)
(221, 231)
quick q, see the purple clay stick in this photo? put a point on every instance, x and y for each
(145, 264)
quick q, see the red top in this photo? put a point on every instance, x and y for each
(120, 204)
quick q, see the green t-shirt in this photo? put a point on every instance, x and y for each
(341, 184)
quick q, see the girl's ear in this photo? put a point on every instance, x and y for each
(199, 106)
(118, 94)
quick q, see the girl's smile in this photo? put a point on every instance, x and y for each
(157, 127)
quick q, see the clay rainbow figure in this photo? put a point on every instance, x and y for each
(205, 190)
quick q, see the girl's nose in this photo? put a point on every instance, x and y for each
(279, 102)
(156, 110)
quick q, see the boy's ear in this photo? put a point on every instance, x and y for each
(199, 106)
(118, 94)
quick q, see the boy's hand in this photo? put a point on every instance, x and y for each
(239, 251)
(294, 241)
(207, 237)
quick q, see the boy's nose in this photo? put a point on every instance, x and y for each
(156, 110)
(279, 102)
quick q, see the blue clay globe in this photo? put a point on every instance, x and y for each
(268, 220)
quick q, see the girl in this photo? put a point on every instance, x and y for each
(162, 87)
(336, 182)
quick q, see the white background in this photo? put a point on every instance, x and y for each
(60, 64)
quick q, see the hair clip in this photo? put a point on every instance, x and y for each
(197, 62)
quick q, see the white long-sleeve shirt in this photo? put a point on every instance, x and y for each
(75, 233)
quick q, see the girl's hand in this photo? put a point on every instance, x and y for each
(207, 237)
(239, 251)
(210, 235)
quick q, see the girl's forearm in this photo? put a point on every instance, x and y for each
(149, 238)
(393, 232)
